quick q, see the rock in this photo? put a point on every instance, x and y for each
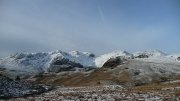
(59, 65)
(13, 88)
(92, 55)
(2, 69)
(142, 56)
(113, 62)
(178, 58)
(19, 55)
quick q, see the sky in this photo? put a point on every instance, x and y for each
(97, 26)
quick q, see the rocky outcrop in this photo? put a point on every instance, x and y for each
(59, 65)
(142, 56)
(149, 53)
(13, 88)
(91, 55)
(178, 58)
(113, 62)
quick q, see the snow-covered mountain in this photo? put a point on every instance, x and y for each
(157, 56)
(39, 62)
(99, 61)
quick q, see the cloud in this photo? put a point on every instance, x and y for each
(46, 26)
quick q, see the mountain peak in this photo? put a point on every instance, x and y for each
(41, 61)
(103, 58)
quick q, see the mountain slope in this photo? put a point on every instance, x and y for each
(58, 60)
(39, 62)
(16, 88)
(99, 61)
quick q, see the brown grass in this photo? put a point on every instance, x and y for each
(177, 77)
(98, 77)
(177, 93)
(156, 87)
(123, 77)
(76, 79)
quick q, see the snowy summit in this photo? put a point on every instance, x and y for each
(39, 62)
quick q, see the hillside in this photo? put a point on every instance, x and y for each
(78, 69)
(153, 61)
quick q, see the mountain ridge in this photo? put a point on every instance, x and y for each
(42, 61)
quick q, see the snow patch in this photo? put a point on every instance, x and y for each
(151, 53)
(99, 61)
